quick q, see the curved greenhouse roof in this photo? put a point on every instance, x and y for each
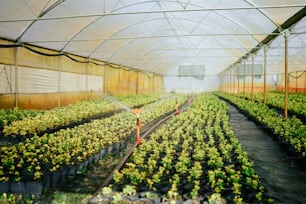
(161, 35)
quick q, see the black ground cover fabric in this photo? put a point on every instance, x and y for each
(284, 182)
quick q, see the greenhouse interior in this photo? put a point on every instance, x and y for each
(152, 101)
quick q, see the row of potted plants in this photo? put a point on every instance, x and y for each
(38, 157)
(296, 102)
(290, 131)
(10, 115)
(70, 114)
(134, 100)
(194, 156)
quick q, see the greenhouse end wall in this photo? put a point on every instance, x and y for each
(191, 84)
(31, 80)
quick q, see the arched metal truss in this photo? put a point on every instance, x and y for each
(158, 36)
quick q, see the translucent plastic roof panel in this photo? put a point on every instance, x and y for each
(157, 35)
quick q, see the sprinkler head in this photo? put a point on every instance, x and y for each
(137, 112)
(138, 141)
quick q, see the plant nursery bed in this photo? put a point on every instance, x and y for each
(193, 158)
(280, 172)
(84, 183)
(285, 145)
(21, 138)
(59, 178)
(290, 113)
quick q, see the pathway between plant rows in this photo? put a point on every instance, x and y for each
(284, 182)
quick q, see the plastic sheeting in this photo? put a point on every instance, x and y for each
(32, 80)
(191, 84)
(154, 35)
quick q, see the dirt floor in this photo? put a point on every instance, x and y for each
(83, 185)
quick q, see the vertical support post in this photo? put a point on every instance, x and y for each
(162, 78)
(234, 80)
(16, 76)
(129, 82)
(286, 35)
(304, 81)
(224, 82)
(230, 80)
(59, 81)
(118, 84)
(154, 83)
(252, 88)
(143, 83)
(296, 82)
(265, 76)
(239, 65)
(87, 80)
(10, 80)
(137, 83)
(104, 80)
(244, 77)
(221, 82)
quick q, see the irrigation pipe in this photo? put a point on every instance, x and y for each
(130, 150)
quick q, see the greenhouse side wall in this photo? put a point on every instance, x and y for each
(297, 82)
(31, 80)
(275, 81)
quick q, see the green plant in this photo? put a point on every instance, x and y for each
(195, 172)
(195, 191)
(215, 198)
(118, 177)
(196, 145)
(172, 193)
(129, 190)
(117, 197)
(290, 131)
(107, 190)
